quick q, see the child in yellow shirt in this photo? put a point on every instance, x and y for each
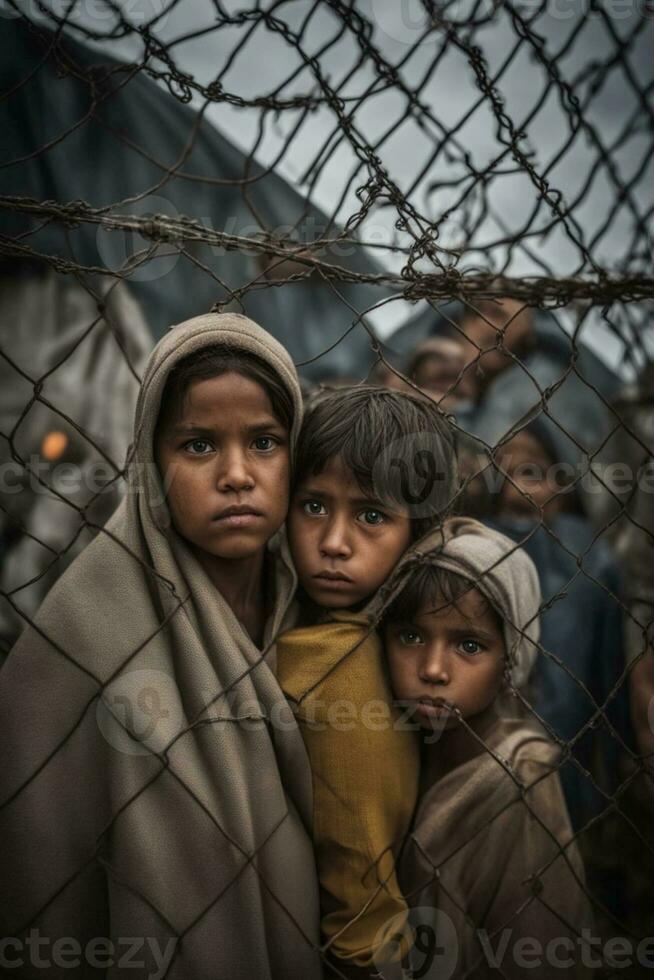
(375, 470)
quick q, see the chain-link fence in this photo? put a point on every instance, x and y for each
(448, 199)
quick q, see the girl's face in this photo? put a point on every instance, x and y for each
(225, 465)
(445, 658)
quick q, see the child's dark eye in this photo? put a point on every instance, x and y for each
(372, 517)
(471, 647)
(264, 443)
(314, 508)
(409, 637)
(198, 447)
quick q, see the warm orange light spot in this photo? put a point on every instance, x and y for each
(54, 446)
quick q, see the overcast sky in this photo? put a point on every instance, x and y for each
(451, 92)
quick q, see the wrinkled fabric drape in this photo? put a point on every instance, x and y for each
(492, 862)
(155, 784)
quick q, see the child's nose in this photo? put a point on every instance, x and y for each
(234, 473)
(434, 668)
(335, 543)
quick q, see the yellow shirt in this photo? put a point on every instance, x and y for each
(365, 764)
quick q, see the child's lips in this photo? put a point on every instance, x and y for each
(433, 707)
(238, 520)
(333, 580)
(238, 517)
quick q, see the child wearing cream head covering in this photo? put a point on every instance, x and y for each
(502, 571)
(190, 834)
(491, 847)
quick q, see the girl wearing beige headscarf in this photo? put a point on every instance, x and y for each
(155, 788)
(491, 868)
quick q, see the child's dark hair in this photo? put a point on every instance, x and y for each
(434, 587)
(358, 424)
(210, 362)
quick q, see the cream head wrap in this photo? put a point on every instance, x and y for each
(500, 569)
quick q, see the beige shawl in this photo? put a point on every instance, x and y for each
(492, 865)
(155, 784)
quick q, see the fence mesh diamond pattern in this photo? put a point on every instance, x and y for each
(447, 198)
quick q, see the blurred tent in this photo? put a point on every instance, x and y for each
(81, 126)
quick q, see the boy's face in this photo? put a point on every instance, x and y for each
(449, 658)
(344, 544)
(225, 452)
